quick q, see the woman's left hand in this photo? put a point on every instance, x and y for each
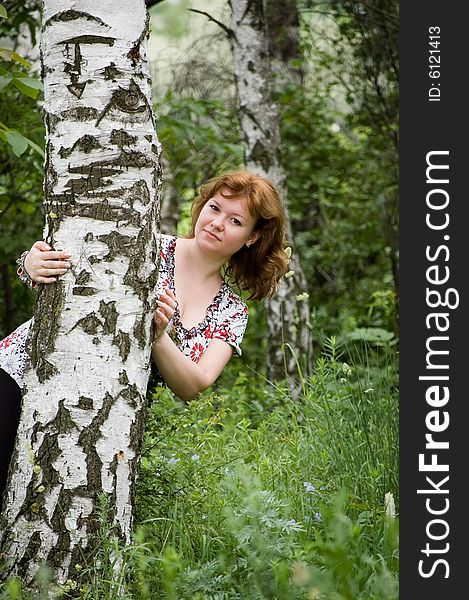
(164, 312)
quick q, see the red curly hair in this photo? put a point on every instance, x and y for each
(260, 267)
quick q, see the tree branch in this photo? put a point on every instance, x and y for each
(151, 3)
(229, 32)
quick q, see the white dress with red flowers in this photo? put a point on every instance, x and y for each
(225, 319)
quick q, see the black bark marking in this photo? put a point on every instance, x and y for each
(111, 72)
(49, 305)
(118, 245)
(261, 155)
(73, 15)
(83, 277)
(121, 138)
(83, 186)
(63, 422)
(99, 170)
(134, 53)
(122, 341)
(59, 525)
(139, 192)
(90, 324)
(85, 403)
(139, 332)
(123, 378)
(79, 113)
(105, 212)
(109, 313)
(30, 553)
(131, 101)
(89, 39)
(77, 89)
(88, 439)
(82, 290)
(86, 144)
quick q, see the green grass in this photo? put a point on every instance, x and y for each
(245, 494)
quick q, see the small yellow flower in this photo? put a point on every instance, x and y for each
(289, 274)
(302, 296)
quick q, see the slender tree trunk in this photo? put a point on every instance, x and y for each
(289, 337)
(84, 393)
(8, 296)
(170, 201)
(283, 24)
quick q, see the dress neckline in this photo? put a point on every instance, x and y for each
(210, 308)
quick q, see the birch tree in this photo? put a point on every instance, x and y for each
(84, 390)
(289, 339)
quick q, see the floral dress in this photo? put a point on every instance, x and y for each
(225, 319)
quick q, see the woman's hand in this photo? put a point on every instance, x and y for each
(44, 265)
(164, 312)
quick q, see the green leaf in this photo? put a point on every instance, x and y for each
(38, 149)
(17, 142)
(3, 12)
(4, 81)
(28, 86)
(10, 55)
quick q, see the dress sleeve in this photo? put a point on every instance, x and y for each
(232, 324)
(21, 271)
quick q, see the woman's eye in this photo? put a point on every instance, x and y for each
(236, 221)
(213, 207)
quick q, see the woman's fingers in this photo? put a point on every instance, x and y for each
(166, 309)
(44, 265)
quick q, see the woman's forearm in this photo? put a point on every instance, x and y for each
(185, 377)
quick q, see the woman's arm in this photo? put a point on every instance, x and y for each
(185, 377)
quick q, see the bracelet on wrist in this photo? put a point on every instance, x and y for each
(21, 270)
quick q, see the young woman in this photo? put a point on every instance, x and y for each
(238, 228)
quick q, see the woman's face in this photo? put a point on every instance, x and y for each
(225, 225)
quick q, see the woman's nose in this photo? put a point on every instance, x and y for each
(218, 222)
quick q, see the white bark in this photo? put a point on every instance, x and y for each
(289, 337)
(84, 397)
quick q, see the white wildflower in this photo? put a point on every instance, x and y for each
(335, 128)
(346, 369)
(289, 274)
(302, 296)
(389, 506)
(309, 487)
(195, 457)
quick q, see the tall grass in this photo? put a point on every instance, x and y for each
(245, 494)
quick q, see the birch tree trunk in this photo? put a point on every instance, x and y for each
(84, 392)
(289, 337)
(170, 201)
(283, 25)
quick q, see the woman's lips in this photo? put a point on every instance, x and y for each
(212, 235)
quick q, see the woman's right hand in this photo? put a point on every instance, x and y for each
(44, 265)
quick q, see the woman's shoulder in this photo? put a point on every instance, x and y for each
(232, 302)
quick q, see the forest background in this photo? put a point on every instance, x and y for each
(256, 495)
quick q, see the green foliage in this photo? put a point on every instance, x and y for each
(242, 497)
(21, 167)
(200, 139)
(13, 74)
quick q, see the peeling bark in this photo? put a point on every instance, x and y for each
(84, 390)
(289, 337)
